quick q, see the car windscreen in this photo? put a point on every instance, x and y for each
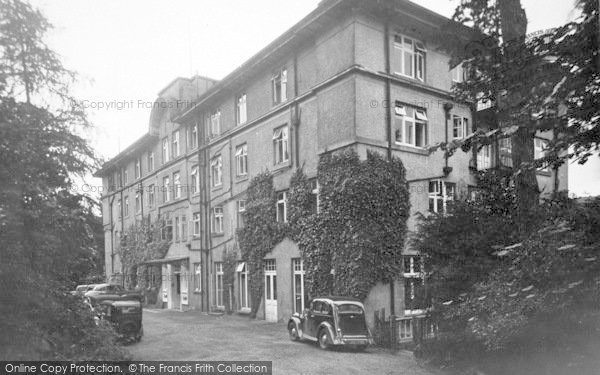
(348, 308)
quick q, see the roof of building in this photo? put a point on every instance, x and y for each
(307, 26)
(144, 141)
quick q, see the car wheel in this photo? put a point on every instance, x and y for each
(293, 332)
(324, 339)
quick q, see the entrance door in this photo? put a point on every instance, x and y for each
(270, 291)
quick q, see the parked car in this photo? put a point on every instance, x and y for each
(80, 290)
(113, 289)
(121, 314)
(332, 321)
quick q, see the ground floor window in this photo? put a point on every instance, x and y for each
(405, 329)
(219, 302)
(244, 298)
(298, 280)
(197, 278)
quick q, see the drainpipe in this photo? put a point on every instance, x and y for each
(296, 117)
(388, 122)
(112, 235)
(447, 108)
(205, 241)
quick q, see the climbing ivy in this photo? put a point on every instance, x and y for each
(356, 238)
(230, 257)
(261, 232)
(140, 243)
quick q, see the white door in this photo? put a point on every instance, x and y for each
(270, 291)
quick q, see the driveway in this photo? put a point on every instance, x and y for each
(193, 336)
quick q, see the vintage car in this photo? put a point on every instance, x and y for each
(332, 321)
(121, 314)
(112, 289)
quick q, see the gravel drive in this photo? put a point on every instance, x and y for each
(193, 336)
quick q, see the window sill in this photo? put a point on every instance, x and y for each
(544, 173)
(411, 149)
(216, 188)
(402, 75)
(282, 165)
(241, 178)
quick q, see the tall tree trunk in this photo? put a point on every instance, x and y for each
(514, 28)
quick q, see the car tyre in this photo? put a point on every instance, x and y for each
(293, 332)
(324, 339)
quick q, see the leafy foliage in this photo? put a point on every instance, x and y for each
(142, 242)
(497, 290)
(546, 81)
(260, 234)
(356, 238)
(51, 236)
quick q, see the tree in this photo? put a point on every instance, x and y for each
(48, 231)
(498, 293)
(546, 82)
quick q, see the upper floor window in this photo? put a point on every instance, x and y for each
(196, 224)
(195, 180)
(282, 207)
(193, 136)
(216, 168)
(166, 189)
(440, 193)
(460, 127)
(150, 195)
(241, 160)
(241, 208)
(484, 157)
(458, 73)
(138, 168)
(505, 152)
(150, 161)
(126, 206)
(138, 202)
(125, 176)
(165, 150)
(167, 230)
(217, 220)
(176, 144)
(411, 126)
(177, 184)
(540, 148)
(241, 110)
(214, 124)
(409, 57)
(177, 229)
(279, 86)
(184, 228)
(280, 145)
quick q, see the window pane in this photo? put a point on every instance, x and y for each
(409, 136)
(408, 63)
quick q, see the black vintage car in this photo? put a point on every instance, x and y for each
(332, 321)
(122, 314)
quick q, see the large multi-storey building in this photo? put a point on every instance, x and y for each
(366, 75)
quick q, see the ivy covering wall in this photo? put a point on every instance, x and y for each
(354, 241)
(356, 238)
(260, 234)
(140, 243)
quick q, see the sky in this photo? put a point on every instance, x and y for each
(125, 52)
